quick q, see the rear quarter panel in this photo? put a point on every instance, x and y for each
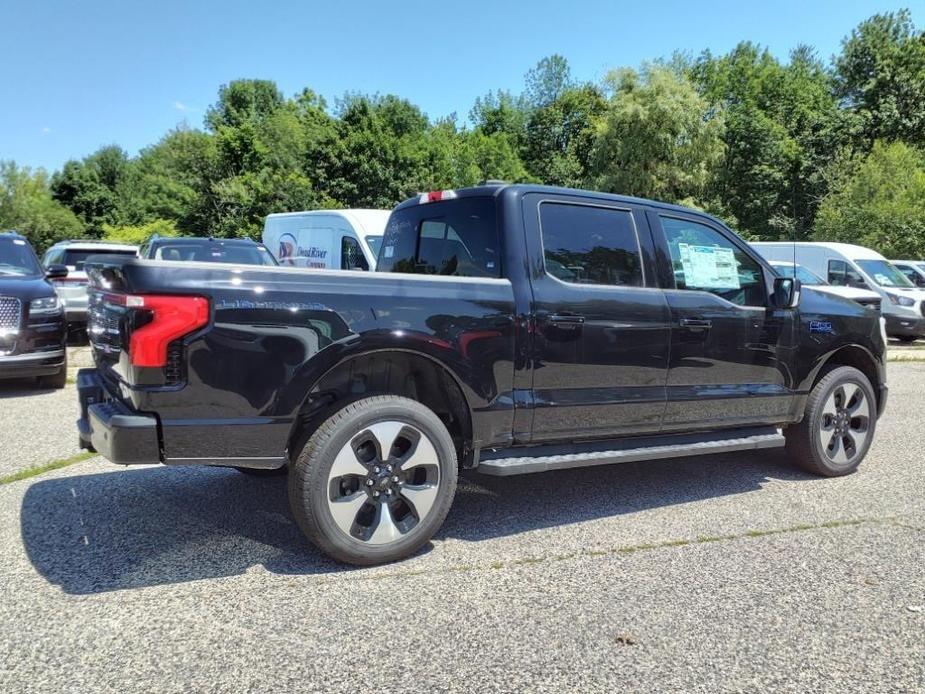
(275, 331)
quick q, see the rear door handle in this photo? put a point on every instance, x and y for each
(696, 323)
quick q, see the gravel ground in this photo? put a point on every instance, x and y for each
(37, 425)
(729, 573)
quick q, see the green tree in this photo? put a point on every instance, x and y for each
(27, 206)
(547, 81)
(658, 137)
(880, 75)
(138, 234)
(782, 125)
(243, 101)
(560, 136)
(91, 187)
(879, 202)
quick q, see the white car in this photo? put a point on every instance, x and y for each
(327, 239)
(810, 279)
(72, 290)
(847, 265)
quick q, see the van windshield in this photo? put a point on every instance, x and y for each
(884, 273)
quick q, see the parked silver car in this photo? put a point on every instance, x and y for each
(72, 290)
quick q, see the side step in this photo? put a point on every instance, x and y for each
(544, 458)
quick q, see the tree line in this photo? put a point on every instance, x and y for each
(795, 149)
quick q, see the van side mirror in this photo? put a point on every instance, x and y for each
(857, 283)
(56, 271)
(786, 292)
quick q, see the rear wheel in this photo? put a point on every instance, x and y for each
(838, 424)
(375, 481)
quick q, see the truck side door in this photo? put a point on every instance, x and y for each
(600, 324)
(729, 348)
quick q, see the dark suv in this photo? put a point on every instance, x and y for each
(207, 250)
(32, 326)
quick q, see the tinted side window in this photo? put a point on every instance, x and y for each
(351, 256)
(590, 245)
(843, 275)
(702, 258)
(454, 237)
(838, 272)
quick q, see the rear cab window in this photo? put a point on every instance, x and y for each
(456, 238)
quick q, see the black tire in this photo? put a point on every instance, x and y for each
(805, 440)
(56, 380)
(907, 339)
(264, 472)
(316, 490)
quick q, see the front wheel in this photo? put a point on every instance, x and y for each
(56, 380)
(838, 424)
(375, 481)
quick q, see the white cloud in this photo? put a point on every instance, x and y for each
(180, 106)
(46, 130)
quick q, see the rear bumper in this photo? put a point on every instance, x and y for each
(900, 326)
(110, 428)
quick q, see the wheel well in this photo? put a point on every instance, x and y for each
(859, 359)
(388, 373)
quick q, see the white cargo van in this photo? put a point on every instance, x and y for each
(332, 239)
(855, 266)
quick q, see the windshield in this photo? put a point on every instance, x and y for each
(17, 258)
(76, 258)
(800, 272)
(208, 252)
(374, 243)
(884, 273)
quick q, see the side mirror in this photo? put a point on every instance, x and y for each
(56, 272)
(786, 292)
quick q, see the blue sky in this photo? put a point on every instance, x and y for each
(77, 75)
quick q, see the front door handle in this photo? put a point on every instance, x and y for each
(566, 319)
(696, 323)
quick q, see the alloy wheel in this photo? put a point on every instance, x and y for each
(383, 482)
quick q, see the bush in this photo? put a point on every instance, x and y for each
(139, 234)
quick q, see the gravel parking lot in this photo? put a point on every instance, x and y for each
(730, 573)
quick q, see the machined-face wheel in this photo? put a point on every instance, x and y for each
(383, 482)
(845, 423)
(838, 424)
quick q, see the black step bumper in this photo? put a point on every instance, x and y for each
(110, 428)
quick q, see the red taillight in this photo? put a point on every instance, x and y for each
(436, 196)
(171, 317)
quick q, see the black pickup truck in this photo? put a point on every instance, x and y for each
(508, 328)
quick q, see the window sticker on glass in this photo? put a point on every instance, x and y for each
(388, 251)
(709, 266)
(882, 279)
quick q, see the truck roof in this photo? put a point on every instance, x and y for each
(494, 189)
